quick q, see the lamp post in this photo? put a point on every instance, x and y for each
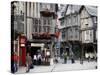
(81, 59)
(52, 55)
(82, 47)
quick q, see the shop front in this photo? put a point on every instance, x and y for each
(40, 48)
(44, 43)
(36, 48)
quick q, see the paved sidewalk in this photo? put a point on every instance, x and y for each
(37, 69)
(75, 66)
(60, 67)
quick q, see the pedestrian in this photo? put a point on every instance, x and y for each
(86, 56)
(65, 57)
(56, 60)
(39, 57)
(14, 64)
(72, 59)
(89, 57)
(28, 62)
(35, 59)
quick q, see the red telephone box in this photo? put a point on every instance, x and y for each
(22, 43)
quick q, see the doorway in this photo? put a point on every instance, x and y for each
(35, 50)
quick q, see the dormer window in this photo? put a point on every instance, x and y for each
(21, 12)
(86, 25)
(36, 21)
(62, 22)
(62, 14)
(95, 19)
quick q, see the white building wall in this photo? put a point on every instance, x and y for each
(87, 32)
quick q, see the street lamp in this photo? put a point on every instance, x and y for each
(81, 56)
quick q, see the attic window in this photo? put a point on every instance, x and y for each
(71, 30)
(76, 29)
(86, 24)
(62, 22)
(95, 19)
(21, 11)
(62, 14)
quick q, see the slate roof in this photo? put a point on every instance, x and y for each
(73, 9)
(91, 10)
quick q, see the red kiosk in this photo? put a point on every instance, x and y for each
(22, 48)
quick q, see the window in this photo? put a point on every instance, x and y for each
(71, 30)
(52, 6)
(37, 9)
(49, 22)
(44, 22)
(21, 12)
(86, 25)
(40, 5)
(90, 34)
(48, 29)
(39, 28)
(87, 32)
(87, 36)
(66, 21)
(76, 36)
(36, 21)
(39, 21)
(44, 6)
(74, 19)
(95, 19)
(33, 21)
(63, 34)
(69, 20)
(71, 36)
(20, 27)
(30, 5)
(82, 22)
(62, 14)
(35, 28)
(62, 22)
(21, 16)
(48, 6)
(76, 29)
(45, 29)
(29, 8)
(86, 21)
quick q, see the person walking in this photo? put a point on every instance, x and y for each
(65, 57)
(86, 56)
(28, 62)
(72, 59)
(35, 59)
(39, 57)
